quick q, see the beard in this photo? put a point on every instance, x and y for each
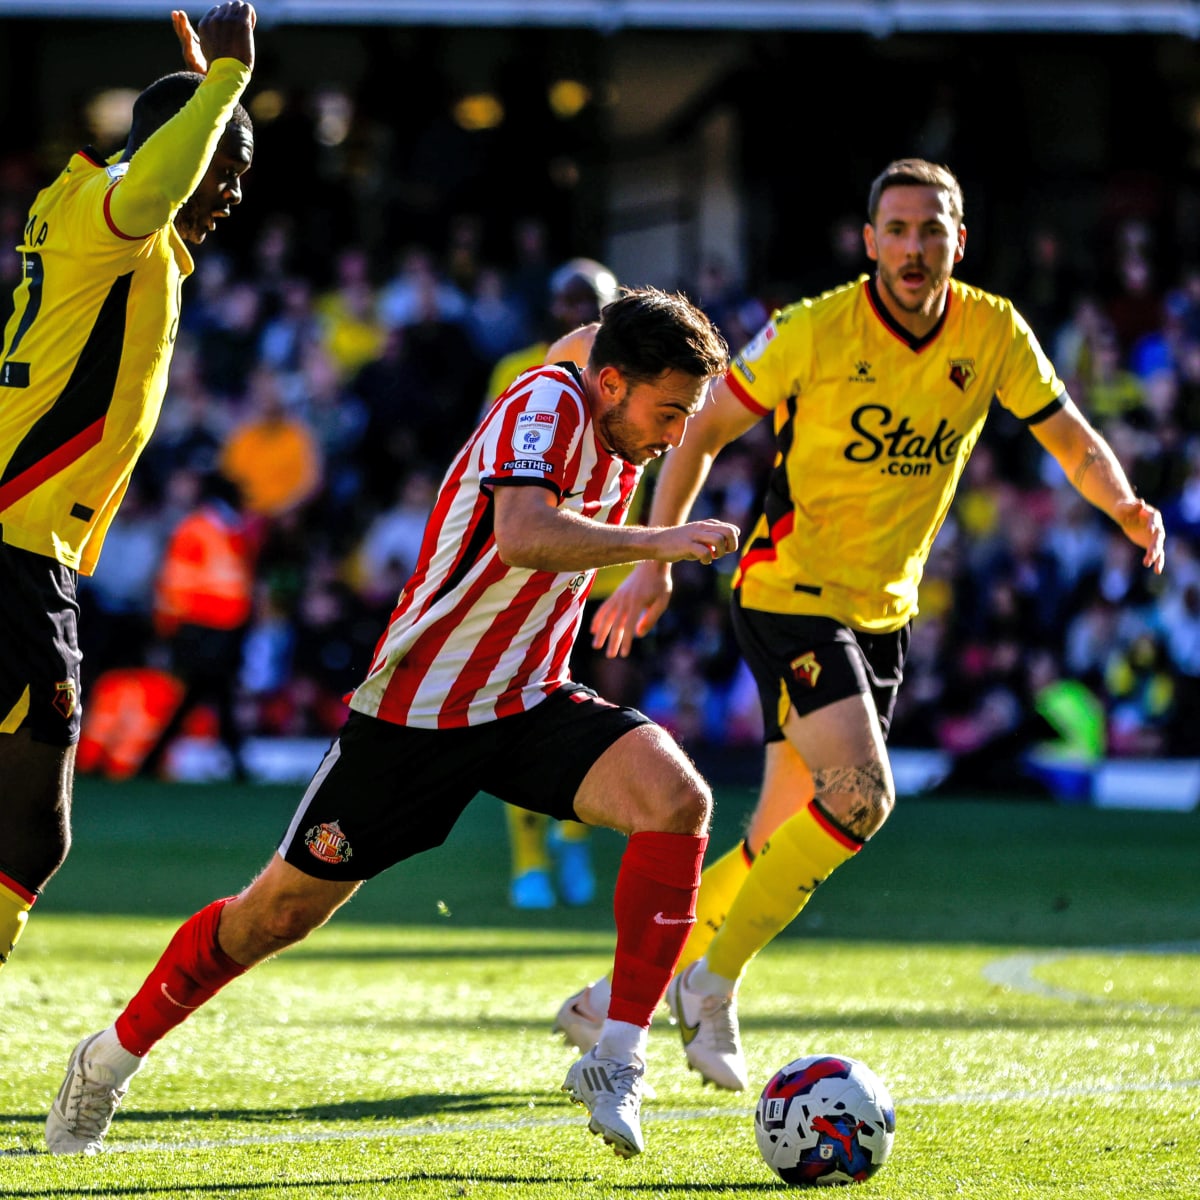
(191, 222)
(936, 284)
(621, 437)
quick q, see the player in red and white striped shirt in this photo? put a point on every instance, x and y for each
(474, 638)
(470, 692)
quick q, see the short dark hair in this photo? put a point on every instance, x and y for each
(909, 172)
(158, 103)
(648, 332)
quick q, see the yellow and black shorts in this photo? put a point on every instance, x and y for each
(807, 663)
(39, 666)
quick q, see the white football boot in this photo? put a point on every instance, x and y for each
(708, 1028)
(612, 1092)
(578, 1021)
(84, 1107)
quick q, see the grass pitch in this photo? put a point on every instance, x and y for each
(1024, 977)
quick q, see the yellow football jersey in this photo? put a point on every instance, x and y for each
(87, 348)
(873, 428)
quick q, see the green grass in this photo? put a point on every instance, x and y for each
(989, 961)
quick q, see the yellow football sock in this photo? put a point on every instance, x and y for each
(803, 852)
(15, 903)
(527, 840)
(720, 883)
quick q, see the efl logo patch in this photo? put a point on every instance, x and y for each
(962, 373)
(64, 698)
(758, 344)
(328, 843)
(534, 433)
(806, 669)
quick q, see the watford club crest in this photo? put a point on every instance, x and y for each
(962, 373)
(328, 843)
(806, 669)
(64, 698)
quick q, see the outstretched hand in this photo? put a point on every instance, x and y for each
(189, 43)
(225, 31)
(632, 610)
(1142, 524)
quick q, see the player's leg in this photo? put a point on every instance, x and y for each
(39, 729)
(35, 796)
(853, 796)
(569, 844)
(529, 886)
(213, 947)
(645, 787)
(787, 786)
(604, 764)
(352, 823)
(827, 695)
(799, 855)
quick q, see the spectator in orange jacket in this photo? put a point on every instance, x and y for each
(273, 456)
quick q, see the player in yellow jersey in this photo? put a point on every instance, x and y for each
(579, 289)
(83, 369)
(877, 392)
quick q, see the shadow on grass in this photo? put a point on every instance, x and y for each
(1067, 1015)
(459, 1182)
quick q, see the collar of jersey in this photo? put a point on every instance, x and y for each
(910, 340)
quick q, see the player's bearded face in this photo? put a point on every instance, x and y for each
(916, 242)
(621, 434)
(651, 416)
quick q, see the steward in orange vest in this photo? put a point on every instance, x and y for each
(202, 604)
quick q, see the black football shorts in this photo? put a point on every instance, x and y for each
(806, 663)
(385, 792)
(39, 666)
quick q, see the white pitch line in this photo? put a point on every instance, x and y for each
(1016, 971)
(442, 1129)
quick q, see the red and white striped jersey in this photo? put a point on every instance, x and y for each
(470, 639)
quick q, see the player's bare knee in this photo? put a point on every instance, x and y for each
(859, 798)
(684, 805)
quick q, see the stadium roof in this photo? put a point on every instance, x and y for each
(879, 18)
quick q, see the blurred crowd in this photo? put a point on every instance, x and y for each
(308, 422)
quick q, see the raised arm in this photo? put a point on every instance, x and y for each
(533, 532)
(1093, 469)
(169, 165)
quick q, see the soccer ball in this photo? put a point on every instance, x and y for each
(825, 1119)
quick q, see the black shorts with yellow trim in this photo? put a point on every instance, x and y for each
(39, 667)
(806, 663)
(385, 792)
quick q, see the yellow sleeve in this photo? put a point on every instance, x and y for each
(775, 362)
(1029, 383)
(167, 168)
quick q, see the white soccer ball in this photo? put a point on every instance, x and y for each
(825, 1119)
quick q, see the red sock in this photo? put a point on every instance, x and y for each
(193, 968)
(655, 909)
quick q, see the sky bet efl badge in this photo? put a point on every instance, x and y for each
(534, 433)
